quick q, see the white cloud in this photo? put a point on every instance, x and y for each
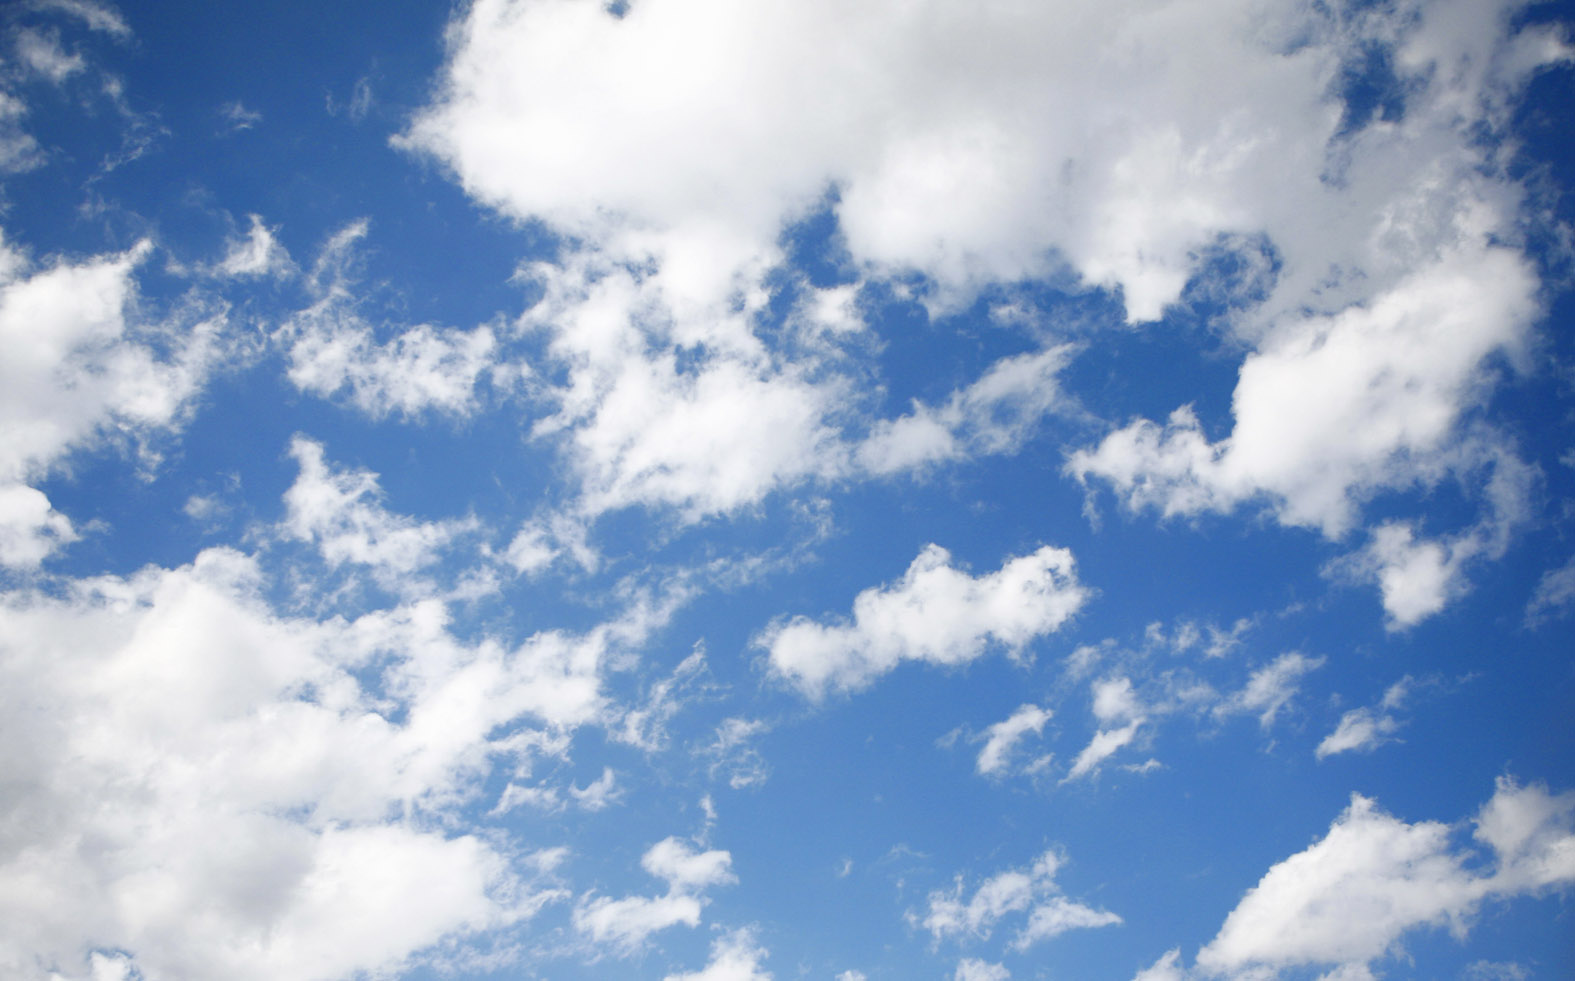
(80, 368)
(19, 151)
(1389, 299)
(30, 528)
(731, 753)
(734, 957)
(973, 969)
(255, 812)
(1101, 747)
(1224, 126)
(934, 613)
(646, 727)
(1167, 968)
(1031, 890)
(258, 254)
(624, 924)
(97, 16)
(991, 415)
(1270, 688)
(1359, 730)
(1331, 408)
(1002, 737)
(340, 512)
(1348, 899)
(41, 52)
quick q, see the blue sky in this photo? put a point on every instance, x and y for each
(702, 491)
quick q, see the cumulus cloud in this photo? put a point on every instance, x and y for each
(624, 924)
(260, 808)
(1348, 899)
(934, 613)
(734, 957)
(1031, 890)
(934, 168)
(81, 367)
(1391, 292)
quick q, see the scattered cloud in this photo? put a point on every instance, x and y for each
(935, 613)
(1031, 890)
(1001, 738)
(624, 924)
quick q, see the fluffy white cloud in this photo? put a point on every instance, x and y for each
(1226, 124)
(1333, 407)
(1030, 890)
(1348, 899)
(934, 613)
(624, 924)
(256, 810)
(1002, 737)
(81, 367)
(734, 957)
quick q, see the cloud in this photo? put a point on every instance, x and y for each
(412, 371)
(1360, 730)
(934, 613)
(1554, 596)
(933, 168)
(1030, 890)
(80, 367)
(991, 415)
(1100, 748)
(731, 754)
(1270, 688)
(237, 118)
(1348, 899)
(40, 51)
(624, 924)
(973, 969)
(255, 812)
(1003, 736)
(258, 254)
(340, 512)
(97, 16)
(734, 957)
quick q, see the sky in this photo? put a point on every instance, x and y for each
(706, 491)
